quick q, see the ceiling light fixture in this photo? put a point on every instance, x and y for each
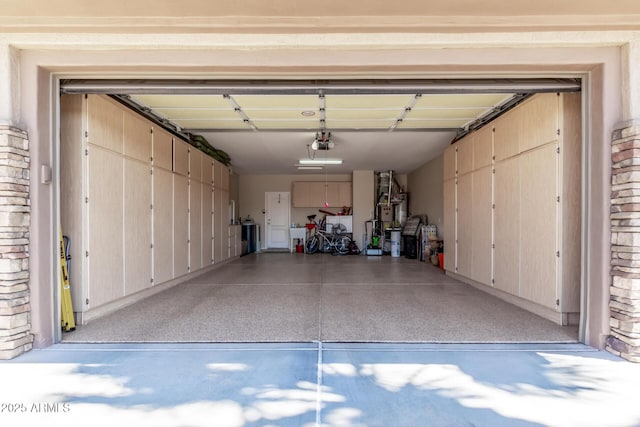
(310, 168)
(320, 161)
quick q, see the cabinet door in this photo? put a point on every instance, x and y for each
(137, 226)
(195, 225)
(207, 224)
(333, 195)
(482, 226)
(137, 137)
(162, 225)
(507, 226)
(538, 174)
(162, 149)
(506, 136)
(299, 194)
(464, 225)
(450, 225)
(346, 196)
(465, 155)
(104, 123)
(450, 162)
(105, 244)
(180, 157)
(540, 121)
(180, 225)
(218, 237)
(195, 164)
(483, 147)
(317, 194)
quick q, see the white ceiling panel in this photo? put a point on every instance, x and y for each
(197, 113)
(287, 124)
(278, 102)
(461, 100)
(213, 124)
(360, 124)
(389, 102)
(182, 101)
(293, 114)
(366, 114)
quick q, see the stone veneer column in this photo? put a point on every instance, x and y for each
(15, 310)
(624, 304)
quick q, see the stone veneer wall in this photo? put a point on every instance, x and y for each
(15, 310)
(624, 304)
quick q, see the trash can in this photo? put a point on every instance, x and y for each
(411, 247)
(249, 235)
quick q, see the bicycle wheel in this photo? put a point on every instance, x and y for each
(342, 245)
(313, 244)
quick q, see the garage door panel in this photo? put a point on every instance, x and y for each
(106, 269)
(538, 236)
(137, 226)
(507, 226)
(180, 225)
(464, 224)
(195, 225)
(481, 223)
(162, 225)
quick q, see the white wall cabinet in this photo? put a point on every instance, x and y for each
(137, 203)
(512, 205)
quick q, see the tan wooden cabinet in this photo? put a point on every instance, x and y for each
(313, 194)
(136, 202)
(512, 206)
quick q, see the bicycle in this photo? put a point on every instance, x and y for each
(328, 243)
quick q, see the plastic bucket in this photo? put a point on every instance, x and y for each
(395, 244)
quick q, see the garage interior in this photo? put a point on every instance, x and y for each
(504, 200)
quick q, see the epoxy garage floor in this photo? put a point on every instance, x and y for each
(282, 297)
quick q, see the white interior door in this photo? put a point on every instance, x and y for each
(277, 219)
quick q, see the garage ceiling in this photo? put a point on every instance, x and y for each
(268, 127)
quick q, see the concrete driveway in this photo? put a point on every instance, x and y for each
(319, 384)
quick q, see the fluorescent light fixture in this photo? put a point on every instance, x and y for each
(310, 168)
(320, 161)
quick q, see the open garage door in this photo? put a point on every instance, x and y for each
(149, 208)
